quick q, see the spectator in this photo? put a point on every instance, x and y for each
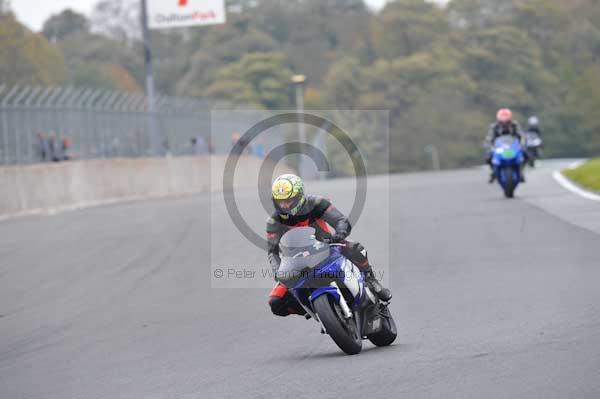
(199, 146)
(52, 155)
(42, 147)
(65, 149)
(259, 148)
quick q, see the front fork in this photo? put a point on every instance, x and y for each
(343, 304)
(346, 312)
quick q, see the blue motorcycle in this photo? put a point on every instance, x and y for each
(332, 290)
(507, 161)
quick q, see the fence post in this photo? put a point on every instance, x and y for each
(2, 116)
(101, 116)
(17, 130)
(121, 107)
(5, 106)
(41, 116)
(86, 124)
(88, 116)
(63, 108)
(72, 104)
(139, 120)
(29, 121)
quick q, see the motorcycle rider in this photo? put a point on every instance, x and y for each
(533, 125)
(504, 125)
(295, 209)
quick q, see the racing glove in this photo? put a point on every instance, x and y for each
(339, 237)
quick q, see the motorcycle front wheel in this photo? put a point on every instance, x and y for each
(509, 182)
(344, 332)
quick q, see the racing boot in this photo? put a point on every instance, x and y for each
(492, 178)
(375, 286)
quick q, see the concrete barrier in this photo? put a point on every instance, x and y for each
(54, 187)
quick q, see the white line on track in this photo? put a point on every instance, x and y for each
(567, 184)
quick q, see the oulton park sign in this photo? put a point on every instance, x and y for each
(185, 13)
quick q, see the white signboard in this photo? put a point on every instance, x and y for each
(183, 13)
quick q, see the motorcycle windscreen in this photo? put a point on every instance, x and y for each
(507, 147)
(300, 253)
(506, 141)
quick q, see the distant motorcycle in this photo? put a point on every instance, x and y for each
(332, 290)
(533, 142)
(507, 158)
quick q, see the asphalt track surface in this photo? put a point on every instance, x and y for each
(494, 298)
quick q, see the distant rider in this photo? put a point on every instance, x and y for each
(533, 125)
(295, 209)
(504, 125)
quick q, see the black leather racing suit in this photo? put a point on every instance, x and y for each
(535, 129)
(497, 129)
(320, 214)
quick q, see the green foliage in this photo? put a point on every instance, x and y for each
(95, 60)
(441, 72)
(117, 19)
(409, 26)
(67, 22)
(343, 82)
(586, 175)
(27, 58)
(508, 68)
(259, 79)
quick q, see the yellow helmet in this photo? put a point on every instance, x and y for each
(288, 195)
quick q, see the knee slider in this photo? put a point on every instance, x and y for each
(278, 306)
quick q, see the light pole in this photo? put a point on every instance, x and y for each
(435, 155)
(299, 81)
(157, 139)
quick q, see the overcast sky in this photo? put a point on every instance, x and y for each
(33, 13)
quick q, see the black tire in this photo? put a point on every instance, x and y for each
(344, 332)
(533, 157)
(509, 183)
(388, 334)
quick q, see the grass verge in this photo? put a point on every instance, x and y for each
(586, 175)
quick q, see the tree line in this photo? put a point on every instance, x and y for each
(441, 71)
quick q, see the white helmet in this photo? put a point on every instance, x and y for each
(533, 121)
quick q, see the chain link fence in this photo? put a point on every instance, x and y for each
(45, 124)
(55, 123)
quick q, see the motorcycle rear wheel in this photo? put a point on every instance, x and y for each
(344, 332)
(532, 155)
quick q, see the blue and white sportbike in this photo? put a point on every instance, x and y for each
(332, 290)
(534, 144)
(507, 161)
